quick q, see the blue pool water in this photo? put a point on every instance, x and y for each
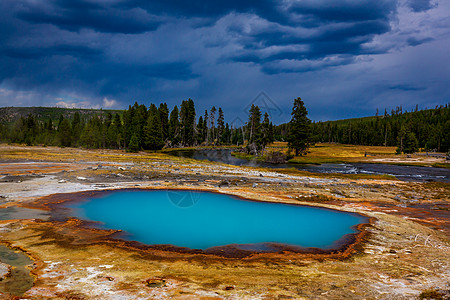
(201, 220)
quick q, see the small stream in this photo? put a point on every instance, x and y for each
(406, 173)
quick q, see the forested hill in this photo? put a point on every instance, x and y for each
(137, 128)
(10, 115)
(429, 129)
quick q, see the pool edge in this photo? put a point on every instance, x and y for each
(345, 247)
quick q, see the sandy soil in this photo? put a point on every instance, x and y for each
(405, 252)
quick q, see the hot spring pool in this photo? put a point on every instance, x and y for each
(201, 220)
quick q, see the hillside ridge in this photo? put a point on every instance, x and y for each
(11, 114)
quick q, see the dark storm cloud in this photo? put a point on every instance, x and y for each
(272, 68)
(413, 41)
(86, 65)
(406, 87)
(361, 31)
(420, 5)
(44, 48)
(35, 53)
(139, 49)
(320, 11)
(330, 28)
(75, 15)
(207, 9)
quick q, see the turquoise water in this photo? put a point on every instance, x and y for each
(200, 220)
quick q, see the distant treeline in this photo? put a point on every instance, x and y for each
(138, 128)
(152, 128)
(428, 129)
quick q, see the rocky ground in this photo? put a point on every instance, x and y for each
(405, 253)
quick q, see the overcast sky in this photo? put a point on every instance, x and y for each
(344, 58)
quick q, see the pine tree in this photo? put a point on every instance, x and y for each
(271, 133)
(206, 127)
(411, 144)
(3, 133)
(134, 144)
(200, 130)
(127, 130)
(153, 137)
(265, 132)
(220, 126)
(445, 144)
(401, 139)
(65, 133)
(174, 127)
(254, 130)
(117, 131)
(135, 119)
(187, 122)
(139, 122)
(408, 142)
(111, 132)
(299, 136)
(30, 130)
(163, 111)
(49, 126)
(237, 138)
(387, 133)
(76, 128)
(226, 136)
(212, 120)
(61, 118)
(254, 123)
(108, 120)
(92, 135)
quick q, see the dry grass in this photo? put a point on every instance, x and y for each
(331, 153)
(338, 153)
(19, 152)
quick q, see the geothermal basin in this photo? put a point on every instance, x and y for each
(205, 220)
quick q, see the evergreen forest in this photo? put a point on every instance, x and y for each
(155, 127)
